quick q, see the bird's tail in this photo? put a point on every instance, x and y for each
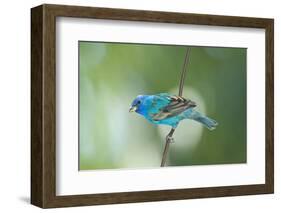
(207, 122)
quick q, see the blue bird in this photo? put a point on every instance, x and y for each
(169, 110)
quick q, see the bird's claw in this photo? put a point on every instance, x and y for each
(170, 139)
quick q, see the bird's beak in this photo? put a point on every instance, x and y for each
(133, 109)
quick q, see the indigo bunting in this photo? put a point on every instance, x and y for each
(169, 110)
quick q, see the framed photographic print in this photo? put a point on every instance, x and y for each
(135, 106)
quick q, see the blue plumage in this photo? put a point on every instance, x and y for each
(169, 110)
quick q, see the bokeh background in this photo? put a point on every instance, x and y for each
(111, 75)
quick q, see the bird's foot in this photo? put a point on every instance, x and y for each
(170, 139)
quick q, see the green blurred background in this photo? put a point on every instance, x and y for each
(111, 75)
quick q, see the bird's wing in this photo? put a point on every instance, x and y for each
(166, 106)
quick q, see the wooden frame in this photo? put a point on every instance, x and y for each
(43, 105)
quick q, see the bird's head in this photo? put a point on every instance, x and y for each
(137, 104)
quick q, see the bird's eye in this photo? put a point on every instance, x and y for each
(138, 102)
